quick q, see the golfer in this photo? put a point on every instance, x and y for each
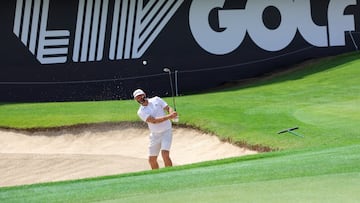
(157, 114)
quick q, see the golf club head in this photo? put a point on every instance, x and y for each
(166, 70)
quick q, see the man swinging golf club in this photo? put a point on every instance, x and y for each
(153, 112)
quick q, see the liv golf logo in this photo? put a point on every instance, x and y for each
(136, 24)
(134, 27)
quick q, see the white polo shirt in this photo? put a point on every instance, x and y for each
(155, 108)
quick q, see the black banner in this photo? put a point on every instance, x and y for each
(61, 50)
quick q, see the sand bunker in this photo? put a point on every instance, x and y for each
(96, 150)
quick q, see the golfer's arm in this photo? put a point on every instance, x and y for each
(169, 116)
(169, 109)
(151, 119)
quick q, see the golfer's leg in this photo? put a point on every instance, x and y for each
(166, 157)
(153, 162)
(165, 147)
(154, 150)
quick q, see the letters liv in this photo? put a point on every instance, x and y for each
(135, 26)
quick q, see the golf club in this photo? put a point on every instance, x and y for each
(172, 92)
(171, 86)
(291, 130)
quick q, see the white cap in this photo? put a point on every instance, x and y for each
(138, 92)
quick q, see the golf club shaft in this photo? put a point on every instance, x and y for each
(172, 90)
(296, 134)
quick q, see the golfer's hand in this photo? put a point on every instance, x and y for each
(173, 115)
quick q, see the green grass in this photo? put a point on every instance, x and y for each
(42, 115)
(323, 99)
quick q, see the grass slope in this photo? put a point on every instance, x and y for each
(322, 99)
(318, 175)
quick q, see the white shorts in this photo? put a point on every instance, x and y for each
(160, 141)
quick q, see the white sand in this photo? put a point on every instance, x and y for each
(97, 150)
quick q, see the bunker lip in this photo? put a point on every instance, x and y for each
(99, 127)
(38, 155)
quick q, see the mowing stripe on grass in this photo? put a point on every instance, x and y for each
(324, 188)
(296, 166)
